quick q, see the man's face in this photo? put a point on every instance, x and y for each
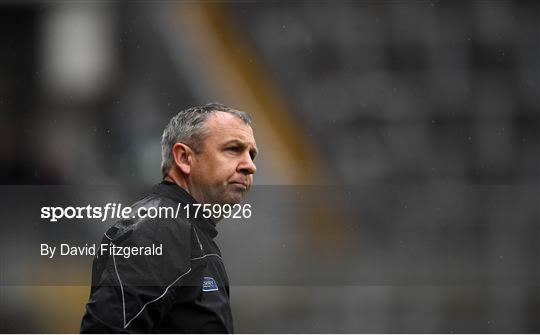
(222, 172)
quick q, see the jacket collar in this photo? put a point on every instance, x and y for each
(178, 194)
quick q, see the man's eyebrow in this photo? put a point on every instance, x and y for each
(254, 151)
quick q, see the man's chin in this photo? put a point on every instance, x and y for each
(234, 198)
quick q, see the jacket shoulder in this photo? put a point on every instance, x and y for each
(153, 218)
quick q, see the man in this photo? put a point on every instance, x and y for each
(207, 158)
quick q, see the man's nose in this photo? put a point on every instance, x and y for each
(247, 166)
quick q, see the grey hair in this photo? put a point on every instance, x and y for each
(188, 127)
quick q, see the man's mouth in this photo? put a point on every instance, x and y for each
(241, 185)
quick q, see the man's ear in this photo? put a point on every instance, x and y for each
(182, 155)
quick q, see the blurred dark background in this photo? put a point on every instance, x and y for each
(411, 128)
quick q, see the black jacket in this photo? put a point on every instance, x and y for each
(185, 289)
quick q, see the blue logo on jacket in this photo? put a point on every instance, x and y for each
(209, 284)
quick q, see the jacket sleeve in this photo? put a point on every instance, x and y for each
(132, 294)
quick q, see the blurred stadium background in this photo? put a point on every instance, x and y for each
(411, 126)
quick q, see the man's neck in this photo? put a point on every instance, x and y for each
(183, 184)
(178, 181)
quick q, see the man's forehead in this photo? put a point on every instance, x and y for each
(229, 125)
(225, 122)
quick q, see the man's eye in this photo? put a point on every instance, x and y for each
(233, 149)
